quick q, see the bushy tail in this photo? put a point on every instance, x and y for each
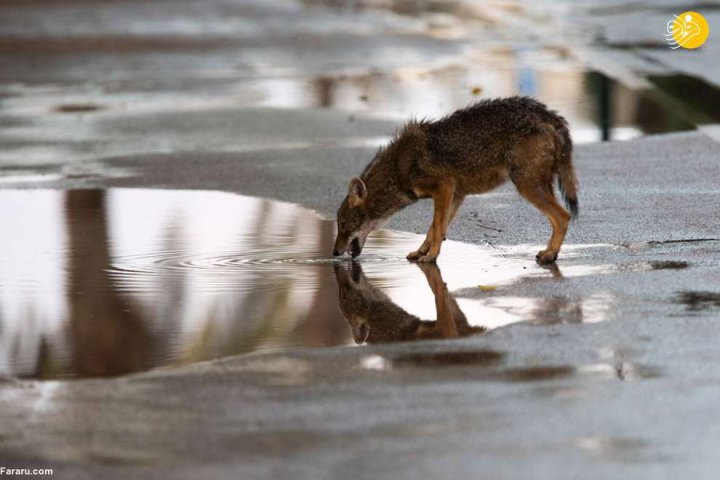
(567, 181)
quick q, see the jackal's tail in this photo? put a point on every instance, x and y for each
(567, 181)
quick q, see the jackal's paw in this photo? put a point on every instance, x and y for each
(415, 255)
(427, 259)
(545, 257)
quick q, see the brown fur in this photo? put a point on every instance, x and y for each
(374, 318)
(472, 151)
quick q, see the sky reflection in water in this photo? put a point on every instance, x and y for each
(108, 282)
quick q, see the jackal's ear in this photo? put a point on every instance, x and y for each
(357, 192)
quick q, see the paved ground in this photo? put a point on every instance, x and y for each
(632, 396)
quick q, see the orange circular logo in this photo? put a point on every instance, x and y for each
(687, 30)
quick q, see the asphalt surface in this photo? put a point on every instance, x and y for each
(632, 394)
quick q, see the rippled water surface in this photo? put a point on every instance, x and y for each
(108, 282)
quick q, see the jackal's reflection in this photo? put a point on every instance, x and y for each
(374, 318)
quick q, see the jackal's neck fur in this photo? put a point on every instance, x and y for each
(384, 175)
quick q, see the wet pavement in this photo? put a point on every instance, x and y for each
(181, 148)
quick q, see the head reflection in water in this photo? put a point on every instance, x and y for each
(374, 318)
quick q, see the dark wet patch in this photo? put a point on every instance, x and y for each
(698, 100)
(685, 240)
(81, 176)
(661, 243)
(652, 113)
(647, 45)
(632, 371)
(654, 265)
(699, 301)
(533, 374)
(483, 365)
(668, 265)
(77, 108)
(620, 371)
(554, 309)
(604, 101)
(448, 359)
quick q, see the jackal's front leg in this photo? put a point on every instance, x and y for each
(422, 249)
(425, 247)
(443, 202)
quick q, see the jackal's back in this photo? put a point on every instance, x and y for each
(489, 128)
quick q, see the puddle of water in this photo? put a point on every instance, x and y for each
(668, 265)
(482, 357)
(108, 282)
(28, 176)
(654, 265)
(666, 254)
(624, 371)
(699, 301)
(478, 358)
(661, 243)
(597, 107)
(534, 374)
(77, 108)
(487, 365)
(697, 100)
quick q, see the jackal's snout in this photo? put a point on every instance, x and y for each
(353, 224)
(354, 246)
(341, 244)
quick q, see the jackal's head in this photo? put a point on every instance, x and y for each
(355, 295)
(353, 220)
(372, 316)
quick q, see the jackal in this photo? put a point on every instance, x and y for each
(374, 318)
(472, 151)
